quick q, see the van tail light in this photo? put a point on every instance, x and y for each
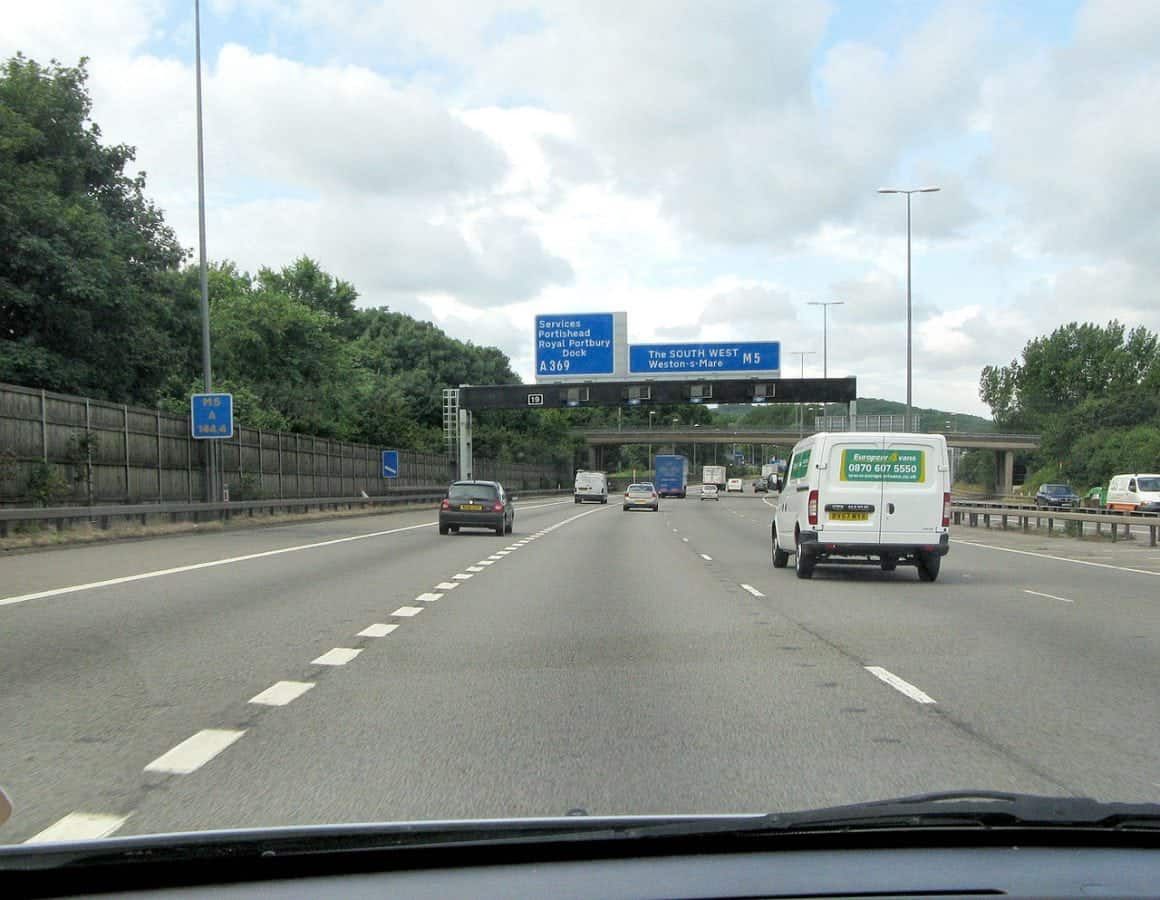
(946, 509)
(812, 508)
(498, 507)
(446, 504)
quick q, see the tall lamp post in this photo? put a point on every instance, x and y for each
(211, 493)
(909, 367)
(825, 305)
(801, 355)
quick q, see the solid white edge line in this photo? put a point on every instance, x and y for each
(407, 611)
(194, 752)
(1048, 596)
(379, 629)
(336, 656)
(78, 826)
(282, 692)
(754, 591)
(904, 687)
(1078, 562)
(193, 567)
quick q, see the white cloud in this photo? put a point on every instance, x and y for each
(69, 29)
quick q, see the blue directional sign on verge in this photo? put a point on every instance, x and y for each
(211, 416)
(704, 359)
(390, 463)
(576, 344)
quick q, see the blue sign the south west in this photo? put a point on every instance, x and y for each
(577, 344)
(390, 463)
(212, 415)
(697, 359)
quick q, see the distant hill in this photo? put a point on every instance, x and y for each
(785, 413)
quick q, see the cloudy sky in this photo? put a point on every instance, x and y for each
(709, 167)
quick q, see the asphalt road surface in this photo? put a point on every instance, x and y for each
(368, 669)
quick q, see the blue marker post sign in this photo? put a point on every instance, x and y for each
(738, 358)
(212, 416)
(390, 463)
(574, 345)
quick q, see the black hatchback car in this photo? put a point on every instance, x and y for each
(1056, 495)
(477, 504)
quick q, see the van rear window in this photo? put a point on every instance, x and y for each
(1148, 484)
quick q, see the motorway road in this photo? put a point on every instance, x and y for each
(614, 662)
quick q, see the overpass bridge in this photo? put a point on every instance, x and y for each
(1005, 446)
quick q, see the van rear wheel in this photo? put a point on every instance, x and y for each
(889, 564)
(928, 565)
(803, 562)
(780, 557)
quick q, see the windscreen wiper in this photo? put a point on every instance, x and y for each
(950, 809)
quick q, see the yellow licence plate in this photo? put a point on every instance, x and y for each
(850, 516)
(471, 507)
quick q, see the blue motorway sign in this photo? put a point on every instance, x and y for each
(577, 344)
(212, 415)
(390, 463)
(703, 359)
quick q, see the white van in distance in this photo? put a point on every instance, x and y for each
(865, 497)
(1134, 493)
(590, 486)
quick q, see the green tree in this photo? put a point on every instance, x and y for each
(87, 260)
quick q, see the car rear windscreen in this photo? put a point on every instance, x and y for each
(472, 492)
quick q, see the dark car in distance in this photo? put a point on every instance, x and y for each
(477, 504)
(1056, 495)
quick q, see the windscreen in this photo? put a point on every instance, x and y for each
(527, 242)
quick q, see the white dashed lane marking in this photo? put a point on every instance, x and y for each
(407, 611)
(486, 562)
(707, 557)
(338, 656)
(427, 598)
(194, 752)
(685, 540)
(461, 576)
(754, 591)
(282, 692)
(377, 630)
(474, 569)
(447, 585)
(79, 826)
(1048, 596)
(898, 684)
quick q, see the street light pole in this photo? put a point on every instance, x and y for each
(825, 305)
(801, 355)
(206, 367)
(909, 366)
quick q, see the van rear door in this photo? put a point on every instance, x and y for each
(850, 490)
(915, 474)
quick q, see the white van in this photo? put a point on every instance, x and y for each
(865, 497)
(1140, 493)
(590, 486)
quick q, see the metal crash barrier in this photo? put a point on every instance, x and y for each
(970, 512)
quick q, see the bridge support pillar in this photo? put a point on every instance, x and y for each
(592, 459)
(1004, 472)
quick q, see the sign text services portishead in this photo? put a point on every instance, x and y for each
(578, 344)
(755, 356)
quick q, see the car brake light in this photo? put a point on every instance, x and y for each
(812, 508)
(446, 504)
(946, 509)
(498, 507)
